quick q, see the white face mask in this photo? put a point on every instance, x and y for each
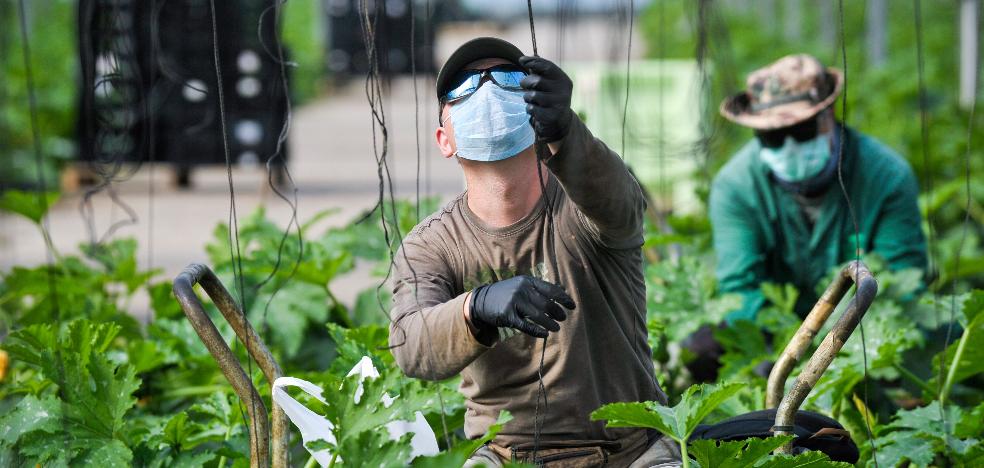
(795, 161)
(491, 125)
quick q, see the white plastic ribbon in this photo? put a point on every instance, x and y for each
(314, 426)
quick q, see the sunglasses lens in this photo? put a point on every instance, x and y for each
(508, 78)
(463, 85)
(801, 132)
(771, 139)
(804, 131)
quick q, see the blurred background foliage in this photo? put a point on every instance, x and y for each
(55, 76)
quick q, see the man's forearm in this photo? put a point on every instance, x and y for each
(598, 182)
(436, 342)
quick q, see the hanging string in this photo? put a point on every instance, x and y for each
(416, 102)
(529, 7)
(930, 212)
(933, 265)
(541, 152)
(112, 138)
(278, 162)
(703, 146)
(854, 221)
(235, 252)
(628, 68)
(429, 46)
(151, 115)
(374, 97)
(32, 103)
(712, 31)
(965, 228)
(661, 139)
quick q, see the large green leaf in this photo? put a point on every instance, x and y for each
(919, 434)
(96, 393)
(29, 415)
(735, 454)
(677, 422)
(811, 459)
(27, 204)
(744, 349)
(681, 297)
(971, 361)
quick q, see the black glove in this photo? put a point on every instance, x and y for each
(548, 97)
(525, 303)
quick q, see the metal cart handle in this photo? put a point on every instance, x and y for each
(853, 273)
(259, 428)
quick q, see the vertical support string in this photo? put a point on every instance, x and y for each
(43, 203)
(854, 221)
(235, 252)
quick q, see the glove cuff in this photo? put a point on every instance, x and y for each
(474, 307)
(563, 128)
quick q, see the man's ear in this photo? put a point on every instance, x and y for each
(445, 138)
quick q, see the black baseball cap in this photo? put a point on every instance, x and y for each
(475, 49)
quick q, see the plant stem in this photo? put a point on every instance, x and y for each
(311, 462)
(331, 464)
(222, 459)
(683, 453)
(193, 391)
(910, 376)
(952, 372)
(343, 315)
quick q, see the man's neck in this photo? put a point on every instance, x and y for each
(503, 192)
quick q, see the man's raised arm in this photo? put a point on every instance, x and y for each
(607, 195)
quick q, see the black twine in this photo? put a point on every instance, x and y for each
(374, 96)
(43, 204)
(235, 253)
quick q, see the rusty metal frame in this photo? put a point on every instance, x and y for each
(259, 427)
(854, 273)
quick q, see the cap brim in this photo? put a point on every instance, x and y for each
(737, 108)
(475, 49)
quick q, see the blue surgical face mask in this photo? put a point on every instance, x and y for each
(798, 161)
(491, 124)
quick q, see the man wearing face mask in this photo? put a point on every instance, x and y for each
(511, 269)
(777, 210)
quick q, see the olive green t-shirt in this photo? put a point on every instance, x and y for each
(592, 249)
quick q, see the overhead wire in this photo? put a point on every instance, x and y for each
(42, 198)
(121, 131)
(866, 416)
(429, 46)
(628, 72)
(943, 389)
(416, 102)
(930, 211)
(380, 150)
(150, 114)
(541, 155)
(235, 251)
(277, 165)
(660, 109)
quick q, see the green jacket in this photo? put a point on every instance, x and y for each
(760, 233)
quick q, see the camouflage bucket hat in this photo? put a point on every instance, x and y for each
(789, 91)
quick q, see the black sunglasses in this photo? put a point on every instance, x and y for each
(466, 82)
(803, 131)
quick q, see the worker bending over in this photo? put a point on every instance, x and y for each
(777, 209)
